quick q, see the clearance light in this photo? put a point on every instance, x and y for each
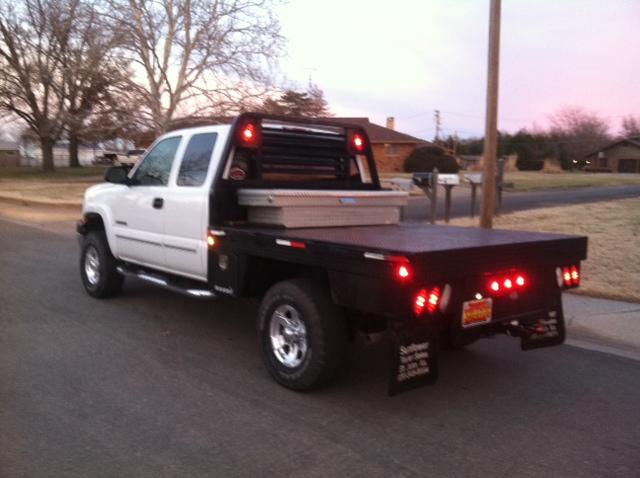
(403, 272)
(357, 143)
(507, 283)
(248, 135)
(211, 241)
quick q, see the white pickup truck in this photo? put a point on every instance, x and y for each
(177, 220)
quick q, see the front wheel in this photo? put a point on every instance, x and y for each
(98, 267)
(303, 334)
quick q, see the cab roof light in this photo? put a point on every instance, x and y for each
(248, 135)
(357, 142)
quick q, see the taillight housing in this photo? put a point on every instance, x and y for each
(426, 300)
(249, 134)
(506, 283)
(357, 142)
(568, 276)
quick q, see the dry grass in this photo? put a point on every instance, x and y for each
(50, 191)
(535, 180)
(612, 269)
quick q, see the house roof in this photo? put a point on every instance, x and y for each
(632, 140)
(8, 145)
(377, 133)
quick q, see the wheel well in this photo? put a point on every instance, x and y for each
(93, 222)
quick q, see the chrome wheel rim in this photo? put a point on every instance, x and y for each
(288, 336)
(92, 265)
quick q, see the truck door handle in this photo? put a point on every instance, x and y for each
(158, 203)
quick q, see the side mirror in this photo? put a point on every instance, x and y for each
(117, 175)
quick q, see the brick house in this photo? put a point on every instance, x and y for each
(621, 156)
(390, 147)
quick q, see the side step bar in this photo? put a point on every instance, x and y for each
(181, 286)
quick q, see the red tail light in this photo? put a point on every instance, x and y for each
(568, 276)
(426, 300)
(511, 282)
(249, 135)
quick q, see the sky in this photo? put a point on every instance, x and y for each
(406, 58)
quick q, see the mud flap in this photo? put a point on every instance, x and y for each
(544, 332)
(413, 360)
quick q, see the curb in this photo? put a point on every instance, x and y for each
(38, 203)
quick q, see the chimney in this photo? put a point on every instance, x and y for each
(391, 122)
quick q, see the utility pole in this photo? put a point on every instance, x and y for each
(491, 124)
(436, 118)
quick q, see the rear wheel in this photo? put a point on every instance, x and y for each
(98, 267)
(302, 333)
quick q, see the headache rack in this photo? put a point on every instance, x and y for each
(301, 152)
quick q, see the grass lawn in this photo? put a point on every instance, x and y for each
(62, 186)
(67, 174)
(533, 180)
(612, 268)
(536, 180)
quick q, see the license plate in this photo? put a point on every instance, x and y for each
(476, 312)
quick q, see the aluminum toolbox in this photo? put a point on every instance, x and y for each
(305, 208)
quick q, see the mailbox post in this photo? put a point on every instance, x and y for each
(448, 182)
(428, 182)
(474, 180)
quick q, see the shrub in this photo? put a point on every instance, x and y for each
(428, 157)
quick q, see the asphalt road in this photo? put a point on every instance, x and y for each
(419, 208)
(155, 384)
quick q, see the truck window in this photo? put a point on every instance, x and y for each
(196, 159)
(155, 168)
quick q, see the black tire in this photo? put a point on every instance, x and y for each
(108, 282)
(326, 334)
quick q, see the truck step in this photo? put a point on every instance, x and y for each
(183, 286)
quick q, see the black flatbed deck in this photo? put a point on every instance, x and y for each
(420, 239)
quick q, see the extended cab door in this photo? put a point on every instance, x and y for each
(139, 213)
(187, 212)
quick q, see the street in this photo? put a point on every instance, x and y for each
(419, 208)
(156, 384)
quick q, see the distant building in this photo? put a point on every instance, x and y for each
(390, 147)
(9, 154)
(621, 156)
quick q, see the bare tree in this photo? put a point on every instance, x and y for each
(198, 56)
(34, 37)
(310, 103)
(630, 126)
(95, 75)
(578, 132)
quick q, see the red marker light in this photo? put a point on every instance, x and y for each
(575, 275)
(495, 286)
(520, 281)
(357, 142)
(508, 284)
(248, 135)
(403, 272)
